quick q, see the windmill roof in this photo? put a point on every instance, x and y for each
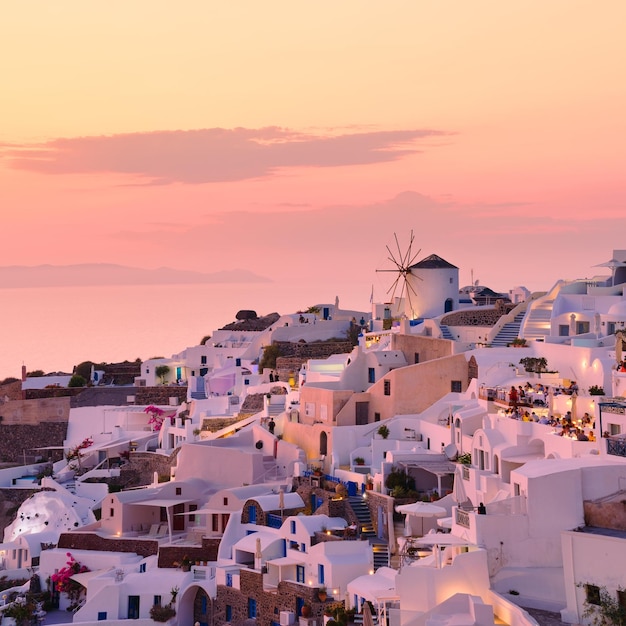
(434, 262)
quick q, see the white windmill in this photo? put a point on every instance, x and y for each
(404, 278)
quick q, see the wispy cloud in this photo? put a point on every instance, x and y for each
(216, 154)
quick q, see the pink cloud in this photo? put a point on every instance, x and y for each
(214, 155)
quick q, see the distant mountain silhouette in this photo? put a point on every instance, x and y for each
(100, 274)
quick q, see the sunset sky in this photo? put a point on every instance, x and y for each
(295, 138)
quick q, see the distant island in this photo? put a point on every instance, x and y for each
(101, 274)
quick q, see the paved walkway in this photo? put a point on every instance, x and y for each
(546, 618)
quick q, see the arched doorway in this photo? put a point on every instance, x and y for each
(323, 443)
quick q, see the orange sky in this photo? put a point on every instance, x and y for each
(210, 135)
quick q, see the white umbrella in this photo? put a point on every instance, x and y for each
(442, 539)
(612, 264)
(574, 397)
(422, 510)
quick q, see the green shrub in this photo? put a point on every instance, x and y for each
(399, 478)
(77, 381)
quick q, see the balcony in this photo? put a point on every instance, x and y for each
(462, 518)
(616, 446)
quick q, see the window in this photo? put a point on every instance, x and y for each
(371, 375)
(142, 568)
(203, 360)
(582, 328)
(455, 386)
(516, 489)
(300, 573)
(226, 501)
(292, 527)
(563, 330)
(179, 491)
(252, 514)
(593, 594)
(416, 357)
(111, 512)
(309, 409)
(251, 608)
(320, 574)
(229, 613)
(157, 601)
(133, 607)
(192, 508)
(387, 387)
(102, 616)
(229, 580)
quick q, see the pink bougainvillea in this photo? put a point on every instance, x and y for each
(74, 453)
(63, 582)
(157, 416)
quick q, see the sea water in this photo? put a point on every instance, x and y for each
(56, 328)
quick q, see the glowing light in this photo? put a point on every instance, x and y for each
(371, 572)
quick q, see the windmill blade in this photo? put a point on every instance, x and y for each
(394, 286)
(405, 259)
(400, 256)
(412, 261)
(408, 294)
(393, 259)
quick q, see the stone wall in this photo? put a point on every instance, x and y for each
(268, 604)
(294, 355)
(312, 350)
(92, 541)
(11, 391)
(159, 395)
(35, 412)
(261, 515)
(170, 556)
(144, 464)
(18, 440)
(606, 514)
(477, 316)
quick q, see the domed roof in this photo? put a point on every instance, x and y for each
(618, 309)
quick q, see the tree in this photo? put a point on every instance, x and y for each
(601, 607)
(162, 371)
(270, 354)
(77, 381)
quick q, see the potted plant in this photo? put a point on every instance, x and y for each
(383, 431)
(322, 594)
(359, 460)
(518, 342)
(596, 390)
(306, 610)
(162, 613)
